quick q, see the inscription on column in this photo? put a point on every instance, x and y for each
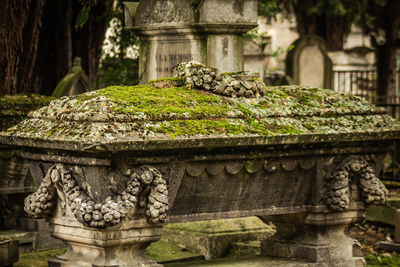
(167, 62)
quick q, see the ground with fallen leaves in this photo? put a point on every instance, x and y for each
(369, 235)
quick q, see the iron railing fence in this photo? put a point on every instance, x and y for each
(364, 83)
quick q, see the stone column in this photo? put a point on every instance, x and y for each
(105, 217)
(176, 31)
(343, 186)
(317, 238)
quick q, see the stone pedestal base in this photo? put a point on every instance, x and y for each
(315, 238)
(121, 245)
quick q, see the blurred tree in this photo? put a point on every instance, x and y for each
(382, 22)
(332, 20)
(19, 36)
(70, 28)
(39, 39)
(329, 19)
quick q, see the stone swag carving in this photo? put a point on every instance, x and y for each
(145, 187)
(163, 11)
(353, 169)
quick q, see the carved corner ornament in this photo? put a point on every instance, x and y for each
(145, 187)
(354, 170)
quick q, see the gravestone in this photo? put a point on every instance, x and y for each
(75, 82)
(308, 63)
(175, 31)
(256, 56)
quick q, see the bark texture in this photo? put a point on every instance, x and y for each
(331, 28)
(19, 36)
(386, 52)
(60, 41)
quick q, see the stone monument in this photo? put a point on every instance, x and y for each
(256, 56)
(75, 82)
(112, 166)
(308, 63)
(174, 31)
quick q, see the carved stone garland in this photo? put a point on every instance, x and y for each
(146, 186)
(372, 189)
(201, 77)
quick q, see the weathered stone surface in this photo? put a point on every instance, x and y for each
(239, 84)
(174, 31)
(315, 238)
(221, 157)
(14, 108)
(145, 117)
(63, 181)
(372, 189)
(308, 63)
(213, 238)
(75, 82)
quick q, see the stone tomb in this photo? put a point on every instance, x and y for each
(174, 31)
(108, 179)
(308, 63)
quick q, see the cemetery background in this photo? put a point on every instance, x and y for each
(132, 63)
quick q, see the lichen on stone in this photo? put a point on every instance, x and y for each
(14, 108)
(121, 113)
(16, 105)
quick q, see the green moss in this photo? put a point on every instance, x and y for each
(38, 259)
(14, 108)
(7, 101)
(165, 102)
(147, 112)
(162, 251)
(177, 79)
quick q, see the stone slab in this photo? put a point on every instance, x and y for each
(384, 213)
(8, 252)
(164, 252)
(213, 238)
(389, 246)
(259, 261)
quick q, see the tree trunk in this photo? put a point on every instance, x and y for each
(91, 37)
(329, 28)
(306, 24)
(19, 36)
(386, 53)
(386, 69)
(60, 42)
(334, 32)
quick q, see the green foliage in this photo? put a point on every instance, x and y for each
(375, 20)
(120, 39)
(352, 11)
(377, 260)
(117, 71)
(116, 68)
(257, 37)
(38, 259)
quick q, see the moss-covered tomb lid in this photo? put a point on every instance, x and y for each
(149, 117)
(140, 114)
